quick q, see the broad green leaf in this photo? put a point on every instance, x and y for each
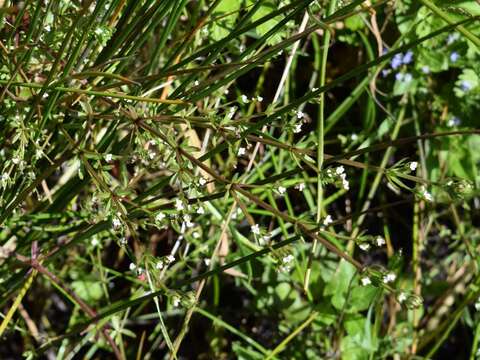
(88, 290)
(339, 284)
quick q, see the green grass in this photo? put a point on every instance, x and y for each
(239, 179)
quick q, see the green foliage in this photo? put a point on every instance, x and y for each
(211, 180)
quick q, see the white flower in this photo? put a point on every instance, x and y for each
(241, 151)
(427, 196)
(201, 210)
(389, 277)
(265, 239)
(95, 242)
(159, 217)
(207, 261)
(169, 259)
(259, 98)
(123, 241)
(328, 220)
(282, 189)
(354, 137)
(365, 281)
(116, 223)
(108, 157)
(288, 259)
(364, 246)
(255, 229)
(346, 184)
(477, 305)
(300, 187)
(188, 221)
(413, 165)
(16, 160)
(196, 83)
(195, 235)
(297, 128)
(231, 112)
(179, 205)
(402, 297)
(380, 241)
(244, 98)
(4, 179)
(202, 181)
(159, 265)
(339, 170)
(176, 301)
(38, 153)
(299, 114)
(132, 266)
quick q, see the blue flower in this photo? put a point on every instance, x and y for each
(425, 69)
(399, 76)
(408, 57)
(466, 85)
(454, 121)
(454, 56)
(397, 61)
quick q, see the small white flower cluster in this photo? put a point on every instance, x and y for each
(116, 222)
(134, 267)
(95, 242)
(300, 186)
(108, 157)
(179, 205)
(365, 281)
(159, 217)
(265, 239)
(187, 222)
(300, 115)
(286, 263)
(426, 195)
(176, 301)
(328, 220)
(241, 151)
(379, 241)
(364, 246)
(339, 172)
(402, 297)
(477, 305)
(231, 112)
(282, 190)
(389, 277)
(165, 262)
(202, 181)
(4, 180)
(255, 229)
(413, 165)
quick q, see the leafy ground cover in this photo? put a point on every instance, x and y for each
(225, 179)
